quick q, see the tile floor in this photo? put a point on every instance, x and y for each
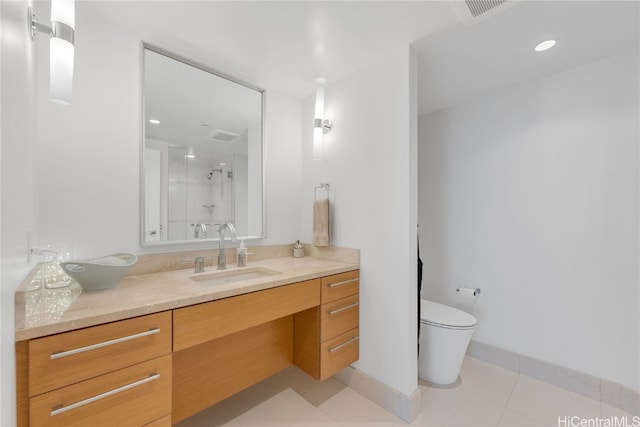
(487, 396)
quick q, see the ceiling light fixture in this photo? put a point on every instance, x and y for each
(545, 45)
(154, 121)
(61, 47)
(320, 124)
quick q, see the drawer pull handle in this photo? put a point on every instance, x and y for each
(346, 307)
(344, 344)
(333, 285)
(62, 354)
(62, 409)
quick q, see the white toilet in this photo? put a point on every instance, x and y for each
(445, 333)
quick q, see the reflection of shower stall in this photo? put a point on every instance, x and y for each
(220, 173)
(221, 193)
(200, 196)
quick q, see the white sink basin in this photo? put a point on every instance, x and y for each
(231, 276)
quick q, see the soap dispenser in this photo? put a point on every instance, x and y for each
(242, 255)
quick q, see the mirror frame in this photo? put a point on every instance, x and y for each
(263, 151)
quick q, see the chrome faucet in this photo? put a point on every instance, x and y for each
(200, 231)
(222, 259)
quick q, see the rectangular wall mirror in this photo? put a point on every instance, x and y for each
(202, 152)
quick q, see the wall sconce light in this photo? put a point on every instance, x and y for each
(320, 124)
(61, 47)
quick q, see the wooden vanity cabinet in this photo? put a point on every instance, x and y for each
(327, 337)
(113, 374)
(158, 369)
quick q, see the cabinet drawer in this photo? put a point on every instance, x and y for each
(205, 322)
(340, 285)
(132, 396)
(63, 359)
(339, 352)
(339, 316)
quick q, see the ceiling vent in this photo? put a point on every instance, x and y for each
(473, 11)
(222, 136)
(478, 7)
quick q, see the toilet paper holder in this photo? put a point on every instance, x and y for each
(468, 291)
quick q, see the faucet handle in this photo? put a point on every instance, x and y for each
(198, 263)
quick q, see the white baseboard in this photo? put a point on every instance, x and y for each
(401, 405)
(408, 407)
(587, 385)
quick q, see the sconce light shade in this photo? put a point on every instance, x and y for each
(320, 125)
(61, 55)
(317, 143)
(61, 48)
(64, 11)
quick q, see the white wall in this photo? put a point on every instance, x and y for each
(18, 206)
(88, 153)
(284, 168)
(369, 161)
(531, 194)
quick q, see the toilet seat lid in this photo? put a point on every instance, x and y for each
(438, 314)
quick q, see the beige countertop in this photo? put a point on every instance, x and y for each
(49, 311)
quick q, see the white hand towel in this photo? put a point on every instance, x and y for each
(321, 223)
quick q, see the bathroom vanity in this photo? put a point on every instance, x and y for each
(162, 346)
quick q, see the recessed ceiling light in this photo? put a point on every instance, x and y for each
(154, 121)
(547, 44)
(222, 164)
(190, 156)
